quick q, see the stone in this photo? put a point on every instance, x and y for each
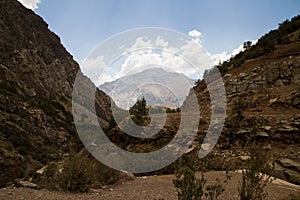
(292, 176)
(243, 131)
(244, 158)
(266, 128)
(279, 83)
(31, 93)
(227, 75)
(124, 175)
(267, 147)
(288, 169)
(27, 184)
(262, 134)
(205, 147)
(41, 171)
(290, 163)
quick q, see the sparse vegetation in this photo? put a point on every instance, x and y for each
(265, 45)
(237, 113)
(75, 175)
(189, 187)
(214, 190)
(253, 178)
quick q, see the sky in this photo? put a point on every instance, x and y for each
(220, 26)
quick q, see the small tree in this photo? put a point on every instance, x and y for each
(247, 44)
(139, 108)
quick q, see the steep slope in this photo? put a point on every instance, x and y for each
(263, 96)
(36, 79)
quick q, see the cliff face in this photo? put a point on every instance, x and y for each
(36, 79)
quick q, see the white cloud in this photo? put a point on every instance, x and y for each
(140, 44)
(93, 68)
(224, 56)
(143, 54)
(104, 78)
(31, 4)
(195, 36)
(188, 57)
(195, 33)
(160, 42)
(219, 57)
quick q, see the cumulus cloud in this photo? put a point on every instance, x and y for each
(94, 68)
(170, 58)
(195, 35)
(224, 56)
(140, 44)
(160, 42)
(187, 57)
(31, 4)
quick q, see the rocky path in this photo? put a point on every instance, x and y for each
(150, 187)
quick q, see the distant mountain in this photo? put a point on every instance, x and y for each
(158, 86)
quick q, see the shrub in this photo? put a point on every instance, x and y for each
(253, 179)
(187, 185)
(214, 190)
(74, 176)
(237, 112)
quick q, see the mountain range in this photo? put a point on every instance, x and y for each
(158, 86)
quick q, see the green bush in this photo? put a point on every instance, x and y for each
(75, 176)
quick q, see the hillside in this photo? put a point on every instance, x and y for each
(36, 81)
(263, 100)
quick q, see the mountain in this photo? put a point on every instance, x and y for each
(158, 86)
(36, 82)
(263, 101)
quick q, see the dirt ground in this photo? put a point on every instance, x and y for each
(150, 187)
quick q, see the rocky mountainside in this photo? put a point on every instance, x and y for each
(158, 86)
(263, 95)
(36, 79)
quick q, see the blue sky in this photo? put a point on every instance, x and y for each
(224, 24)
